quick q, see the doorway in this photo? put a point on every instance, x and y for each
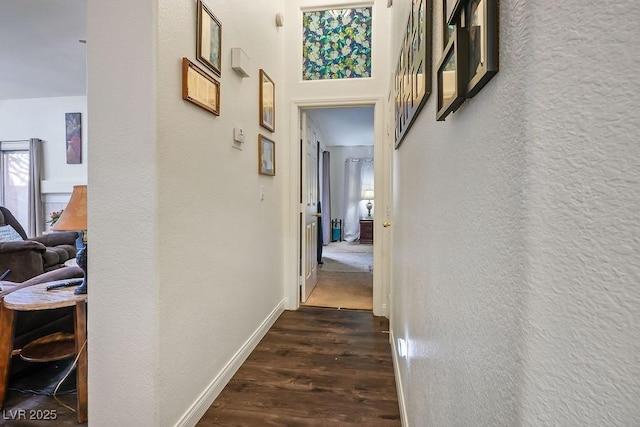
(339, 141)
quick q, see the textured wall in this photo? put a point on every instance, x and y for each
(197, 264)
(583, 344)
(515, 263)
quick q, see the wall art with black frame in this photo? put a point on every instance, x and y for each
(470, 54)
(413, 70)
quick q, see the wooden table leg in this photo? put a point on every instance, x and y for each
(80, 320)
(7, 318)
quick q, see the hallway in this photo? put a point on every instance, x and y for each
(315, 366)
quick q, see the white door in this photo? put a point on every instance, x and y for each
(309, 196)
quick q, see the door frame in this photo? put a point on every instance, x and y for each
(382, 178)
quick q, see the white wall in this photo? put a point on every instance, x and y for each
(44, 118)
(202, 268)
(515, 269)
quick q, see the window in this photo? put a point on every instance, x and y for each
(14, 179)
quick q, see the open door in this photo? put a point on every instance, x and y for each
(309, 205)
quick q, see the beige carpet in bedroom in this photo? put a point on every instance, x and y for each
(345, 280)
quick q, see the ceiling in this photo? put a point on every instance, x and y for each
(40, 52)
(348, 126)
(41, 56)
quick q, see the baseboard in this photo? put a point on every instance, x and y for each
(400, 390)
(200, 406)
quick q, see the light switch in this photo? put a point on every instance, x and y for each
(238, 135)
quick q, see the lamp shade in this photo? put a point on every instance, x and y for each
(74, 216)
(367, 194)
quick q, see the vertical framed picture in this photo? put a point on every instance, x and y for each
(413, 70)
(73, 125)
(267, 102)
(209, 39)
(452, 75)
(266, 156)
(482, 28)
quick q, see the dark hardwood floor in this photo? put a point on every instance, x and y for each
(315, 366)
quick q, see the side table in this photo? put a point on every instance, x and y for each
(34, 298)
(366, 231)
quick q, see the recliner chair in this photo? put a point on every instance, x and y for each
(31, 257)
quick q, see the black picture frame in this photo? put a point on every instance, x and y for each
(483, 46)
(451, 10)
(452, 75)
(413, 82)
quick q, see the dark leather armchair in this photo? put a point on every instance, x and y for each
(32, 257)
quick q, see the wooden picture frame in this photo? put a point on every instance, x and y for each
(414, 68)
(200, 88)
(209, 39)
(482, 30)
(267, 102)
(452, 75)
(266, 156)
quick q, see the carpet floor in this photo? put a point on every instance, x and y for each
(345, 279)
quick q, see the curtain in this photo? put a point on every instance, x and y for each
(326, 199)
(36, 207)
(358, 176)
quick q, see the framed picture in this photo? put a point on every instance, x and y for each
(73, 125)
(482, 28)
(200, 88)
(267, 102)
(413, 71)
(452, 75)
(266, 156)
(209, 39)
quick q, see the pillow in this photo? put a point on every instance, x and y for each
(9, 234)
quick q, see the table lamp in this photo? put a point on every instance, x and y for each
(74, 218)
(368, 195)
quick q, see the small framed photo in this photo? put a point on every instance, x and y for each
(452, 73)
(209, 39)
(266, 156)
(267, 102)
(482, 27)
(200, 88)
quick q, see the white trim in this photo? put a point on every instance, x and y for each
(200, 406)
(400, 391)
(337, 6)
(291, 261)
(50, 186)
(22, 145)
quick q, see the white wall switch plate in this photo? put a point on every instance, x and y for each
(238, 135)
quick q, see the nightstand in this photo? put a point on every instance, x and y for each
(366, 231)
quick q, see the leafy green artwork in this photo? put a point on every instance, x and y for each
(336, 44)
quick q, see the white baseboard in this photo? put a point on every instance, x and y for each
(399, 389)
(200, 406)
